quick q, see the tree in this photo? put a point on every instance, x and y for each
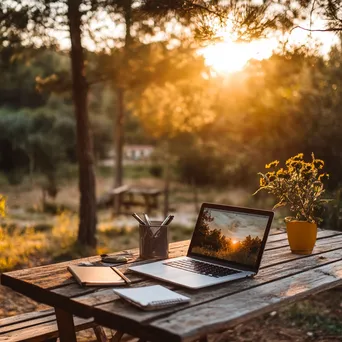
(87, 211)
(38, 19)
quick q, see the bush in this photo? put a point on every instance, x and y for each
(156, 170)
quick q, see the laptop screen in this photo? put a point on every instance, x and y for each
(229, 235)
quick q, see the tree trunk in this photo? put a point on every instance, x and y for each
(87, 210)
(119, 144)
(119, 137)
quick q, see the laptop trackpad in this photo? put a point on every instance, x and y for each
(176, 275)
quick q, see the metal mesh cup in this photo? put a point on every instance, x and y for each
(153, 241)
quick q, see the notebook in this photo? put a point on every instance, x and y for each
(96, 276)
(151, 297)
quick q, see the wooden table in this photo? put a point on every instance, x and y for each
(283, 278)
(149, 198)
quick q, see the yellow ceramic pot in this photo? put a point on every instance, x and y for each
(302, 236)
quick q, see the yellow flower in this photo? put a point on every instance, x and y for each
(281, 173)
(323, 177)
(262, 181)
(318, 163)
(272, 164)
(299, 156)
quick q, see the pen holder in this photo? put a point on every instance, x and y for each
(153, 241)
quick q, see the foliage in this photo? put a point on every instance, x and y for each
(299, 185)
(180, 108)
(2, 206)
(200, 154)
(36, 140)
(249, 20)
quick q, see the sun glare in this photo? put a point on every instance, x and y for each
(228, 56)
(234, 242)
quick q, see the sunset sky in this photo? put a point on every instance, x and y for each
(253, 225)
(228, 56)
(225, 56)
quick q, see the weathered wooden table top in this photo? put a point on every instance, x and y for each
(283, 278)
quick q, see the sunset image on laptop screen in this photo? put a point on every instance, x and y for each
(232, 236)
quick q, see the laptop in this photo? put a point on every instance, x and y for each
(227, 244)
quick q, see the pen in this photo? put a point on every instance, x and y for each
(136, 216)
(117, 271)
(147, 219)
(167, 220)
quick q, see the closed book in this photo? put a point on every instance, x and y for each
(96, 275)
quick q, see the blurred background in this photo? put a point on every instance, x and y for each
(178, 103)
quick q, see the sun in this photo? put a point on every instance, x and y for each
(228, 56)
(234, 242)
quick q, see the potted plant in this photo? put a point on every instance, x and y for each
(298, 185)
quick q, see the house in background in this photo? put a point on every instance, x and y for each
(138, 152)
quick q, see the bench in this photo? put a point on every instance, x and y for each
(38, 326)
(112, 197)
(126, 196)
(149, 198)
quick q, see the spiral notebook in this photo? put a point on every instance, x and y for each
(151, 297)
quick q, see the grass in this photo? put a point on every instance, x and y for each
(30, 246)
(312, 317)
(47, 243)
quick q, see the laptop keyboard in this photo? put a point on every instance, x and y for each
(199, 267)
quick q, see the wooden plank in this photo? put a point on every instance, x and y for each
(65, 325)
(117, 313)
(213, 292)
(323, 246)
(52, 275)
(71, 289)
(190, 324)
(25, 317)
(282, 255)
(321, 234)
(47, 330)
(177, 248)
(277, 256)
(60, 295)
(57, 274)
(280, 240)
(119, 190)
(43, 273)
(27, 323)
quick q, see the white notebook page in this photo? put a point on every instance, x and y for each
(151, 294)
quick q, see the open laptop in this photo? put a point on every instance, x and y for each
(227, 244)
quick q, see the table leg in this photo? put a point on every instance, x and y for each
(100, 334)
(117, 337)
(66, 328)
(203, 339)
(147, 204)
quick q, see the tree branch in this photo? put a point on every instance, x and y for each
(204, 8)
(332, 29)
